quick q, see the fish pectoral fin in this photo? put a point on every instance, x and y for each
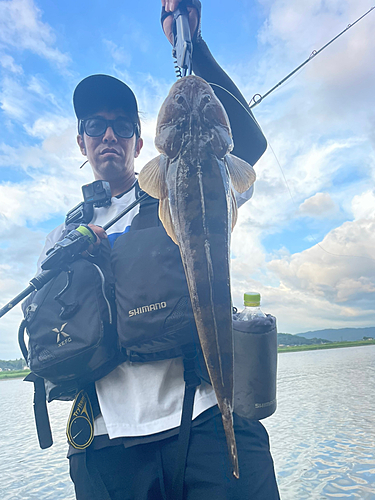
(166, 219)
(241, 173)
(234, 208)
(152, 177)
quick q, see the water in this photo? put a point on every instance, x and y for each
(322, 435)
(26, 471)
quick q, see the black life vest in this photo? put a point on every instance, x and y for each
(154, 313)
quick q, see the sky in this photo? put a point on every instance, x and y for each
(306, 240)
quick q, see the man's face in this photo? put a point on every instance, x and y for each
(111, 157)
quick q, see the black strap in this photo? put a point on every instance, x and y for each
(21, 339)
(192, 381)
(147, 216)
(43, 426)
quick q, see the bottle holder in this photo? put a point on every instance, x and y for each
(255, 367)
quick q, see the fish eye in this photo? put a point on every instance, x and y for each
(206, 98)
(179, 98)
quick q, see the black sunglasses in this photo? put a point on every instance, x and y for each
(95, 127)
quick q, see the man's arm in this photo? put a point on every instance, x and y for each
(249, 141)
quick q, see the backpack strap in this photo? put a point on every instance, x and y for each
(147, 216)
(43, 426)
(192, 381)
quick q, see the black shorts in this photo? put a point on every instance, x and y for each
(145, 471)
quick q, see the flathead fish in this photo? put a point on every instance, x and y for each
(193, 179)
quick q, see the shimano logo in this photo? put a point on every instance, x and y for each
(145, 309)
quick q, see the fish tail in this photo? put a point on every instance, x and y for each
(231, 443)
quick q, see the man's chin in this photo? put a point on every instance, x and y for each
(110, 168)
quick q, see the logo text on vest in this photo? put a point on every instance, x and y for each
(144, 309)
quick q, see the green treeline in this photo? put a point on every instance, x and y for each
(12, 364)
(12, 368)
(329, 345)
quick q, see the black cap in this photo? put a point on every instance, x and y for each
(98, 92)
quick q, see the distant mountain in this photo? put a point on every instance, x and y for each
(340, 334)
(284, 339)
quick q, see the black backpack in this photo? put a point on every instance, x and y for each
(71, 327)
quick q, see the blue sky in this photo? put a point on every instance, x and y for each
(306, 240)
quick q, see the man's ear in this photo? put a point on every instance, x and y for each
(81, 144)
(138, 147)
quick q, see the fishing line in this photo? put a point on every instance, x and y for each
(258, 98)
(286, 182)
(239, 102)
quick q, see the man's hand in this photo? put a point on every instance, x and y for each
(171, 6)
(100, 235)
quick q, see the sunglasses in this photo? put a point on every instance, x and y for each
(95, 127)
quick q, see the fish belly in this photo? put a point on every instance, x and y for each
(199, 197)
(199, 202)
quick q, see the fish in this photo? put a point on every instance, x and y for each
(193, 178)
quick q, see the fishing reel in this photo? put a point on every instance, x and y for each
(69, 248)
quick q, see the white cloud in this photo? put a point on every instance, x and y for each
(119, 54)
(319, 205)
(339, 271)
(331, 285)
(363, 205)
(7, 62)
(18, 265)
(339, 80)
(53, 171)
(21, 28)
(26, 99)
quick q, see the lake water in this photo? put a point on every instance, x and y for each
(322, 435)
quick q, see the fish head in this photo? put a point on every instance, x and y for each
(192, 112)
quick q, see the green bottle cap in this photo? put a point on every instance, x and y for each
(251, 299)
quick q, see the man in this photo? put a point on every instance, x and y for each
(133, 455)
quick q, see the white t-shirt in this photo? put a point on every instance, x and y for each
(139, 399)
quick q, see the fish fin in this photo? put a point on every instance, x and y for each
(234, 208)
(166, 219)
(241, 173)
(152, 177)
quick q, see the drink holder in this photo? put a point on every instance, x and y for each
(255, 367)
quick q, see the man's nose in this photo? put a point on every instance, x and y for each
(109, 135)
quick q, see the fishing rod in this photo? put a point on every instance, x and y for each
(65, 251)
(258, 98)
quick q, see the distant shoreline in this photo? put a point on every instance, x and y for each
(332, 345)
(7, 375)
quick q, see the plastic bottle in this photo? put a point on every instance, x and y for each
(252, 307)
